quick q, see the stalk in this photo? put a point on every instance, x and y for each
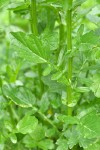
(61, 34)
(35, 32)
(34, 18)
(69, 47)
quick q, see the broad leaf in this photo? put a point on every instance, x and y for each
(90, 37)
(94, 146)
(31, 48)
(60, 77)
(68, 119)
(38, 134)
(62, 144)
(85, 142)
(54, 86)
(51, 39)
(73, 139)
(19, 96)
(90, 125)
(46, 144)
(29, 142)
(27, 125)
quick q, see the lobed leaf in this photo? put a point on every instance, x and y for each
(62, 144)
(27, 124)
(46, 144)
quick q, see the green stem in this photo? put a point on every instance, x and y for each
(35, 32)
(61, 34)
(33, 18)
(48, 120)
(69, 47)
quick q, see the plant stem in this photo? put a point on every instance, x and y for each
(35, 32)
(61, 34)
(70, 59)
(34, 18)
(48, 120)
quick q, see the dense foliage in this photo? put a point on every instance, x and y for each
(49, 74)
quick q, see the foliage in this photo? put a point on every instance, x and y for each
(43, 104)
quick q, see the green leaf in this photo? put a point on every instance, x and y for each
(82, 89)
(66, 5)
(51, 39)
(94, 146)
(93, 18)
(31, 48)
(78, 3)
(51, 132)
(47, 70)
(85, 142)
(73, 138)
(68, 119)
(80, 30)
(13, 138)
(29, 142)
(38, 134)
(60, 77)
(55, 101)
(19, 7)
(51, 3)
(3, 102)
(62, 144)
(44, 103)
(90, 37)
(96, 85)
(46, 144)
(90, 125)
(20, 96)
(27, 124)
(54, 86)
